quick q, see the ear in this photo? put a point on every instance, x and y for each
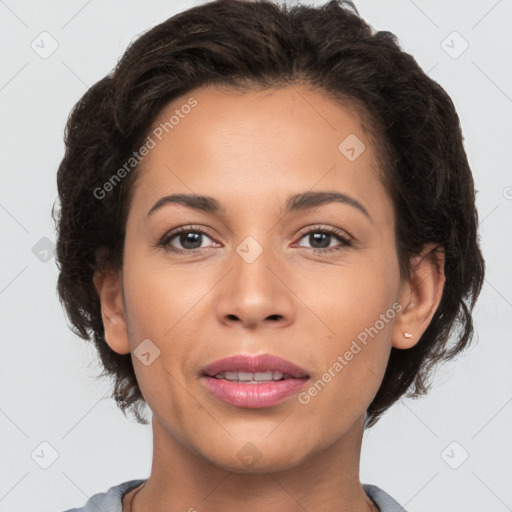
(108, 284)
(420, 296)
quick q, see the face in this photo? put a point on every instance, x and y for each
(315, 283)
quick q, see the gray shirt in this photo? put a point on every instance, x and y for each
(111, 501)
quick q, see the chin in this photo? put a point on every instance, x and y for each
(279, 462)
(253, 457)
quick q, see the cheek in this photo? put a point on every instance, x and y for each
(164, 304)
(160, 298)
(353, 306)
(345, 300)
(158, 309)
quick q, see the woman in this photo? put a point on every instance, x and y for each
(267, 227)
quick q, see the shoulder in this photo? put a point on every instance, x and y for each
(109, 501)
(382, 499)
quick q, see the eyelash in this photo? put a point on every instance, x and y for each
(164, 242)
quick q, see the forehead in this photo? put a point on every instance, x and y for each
(242, 145)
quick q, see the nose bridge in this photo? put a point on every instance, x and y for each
(254, 281)
(254, 291)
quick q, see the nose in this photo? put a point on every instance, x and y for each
(256, 294)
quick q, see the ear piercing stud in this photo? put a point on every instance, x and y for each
(408, 334)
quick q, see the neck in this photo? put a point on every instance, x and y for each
(183, 480)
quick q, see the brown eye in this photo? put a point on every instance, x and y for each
(189, 239)
(321, 239)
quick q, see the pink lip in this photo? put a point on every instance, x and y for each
(264, 394)
(259, 363)
(253, 396)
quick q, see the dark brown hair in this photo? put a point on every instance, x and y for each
(259, 44)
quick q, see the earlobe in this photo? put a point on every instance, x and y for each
(109, 287)
(420, 296)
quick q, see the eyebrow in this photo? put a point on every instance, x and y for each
(297, 202)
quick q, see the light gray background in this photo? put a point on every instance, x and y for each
(47, 385)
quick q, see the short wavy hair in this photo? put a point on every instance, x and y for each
(262, 45)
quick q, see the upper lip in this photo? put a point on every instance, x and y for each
(253, 364)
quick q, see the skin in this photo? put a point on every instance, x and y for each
(250, 151)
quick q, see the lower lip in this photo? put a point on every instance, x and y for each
(253, 396)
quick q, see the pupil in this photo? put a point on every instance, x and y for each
(322, 237)
(190, 238)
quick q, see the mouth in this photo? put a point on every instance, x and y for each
(253, 382)
(254, 368)
(253, 378)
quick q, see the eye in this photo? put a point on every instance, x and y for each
(189, 237)
(320, 239)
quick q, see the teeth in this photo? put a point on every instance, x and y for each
(252, 377)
